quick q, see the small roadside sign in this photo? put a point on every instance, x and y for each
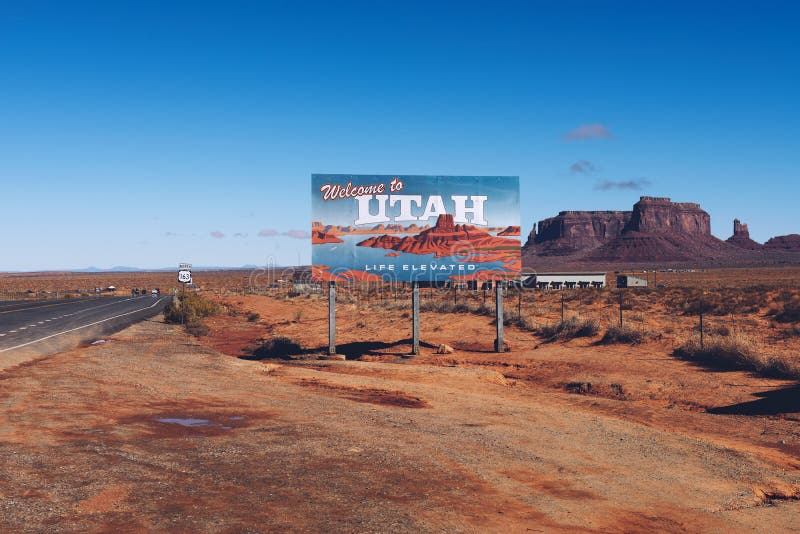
(185, 273)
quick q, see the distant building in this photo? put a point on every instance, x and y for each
(626, 280)
(564, 280)
(305, 287)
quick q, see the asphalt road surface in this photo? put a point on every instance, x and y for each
(36, 328)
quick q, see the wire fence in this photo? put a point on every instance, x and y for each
(766, 315)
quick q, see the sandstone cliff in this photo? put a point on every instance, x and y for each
(656, 231)
(574, 231)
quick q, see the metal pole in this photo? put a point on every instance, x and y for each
(183, 305)
(331, 317)
(562, 305)
(415, 318)
(620, 308)
(499, 345)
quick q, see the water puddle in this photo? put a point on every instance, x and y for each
(192, 422)
(100, 341)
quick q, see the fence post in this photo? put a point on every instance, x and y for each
(499, 345)
(620, 308)
(562, 305)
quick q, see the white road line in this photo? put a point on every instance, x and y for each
(84, 326)
(96, 307)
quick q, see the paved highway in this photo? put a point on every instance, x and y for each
(45, 326)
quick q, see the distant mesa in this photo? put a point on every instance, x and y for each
(787, 243)
(447, 239)
(655, 231)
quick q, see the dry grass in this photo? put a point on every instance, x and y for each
(570, 328)
(190, 308)
(622, 334)
(737, 352)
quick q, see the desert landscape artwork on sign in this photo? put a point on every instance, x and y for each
(415, 228)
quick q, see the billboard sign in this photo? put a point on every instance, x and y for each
(415, 228)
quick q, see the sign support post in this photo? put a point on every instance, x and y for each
(331, 317)
(499, 345)
(415, 318)
(184, 277)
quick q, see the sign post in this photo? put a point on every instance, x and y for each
(331, 318)
(499, 345)
(185, 278)
(415, 318)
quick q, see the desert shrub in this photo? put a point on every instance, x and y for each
(570, 328)
(462, 307)
(790, 312)
(278, 347)
(298, 315)
(622, 334)
(721, 331)
(190, 308)
(198, 329)
(792, 331)
(526, 323)
(428, 306)
(483, 309)
(253, 317)
(737, 352)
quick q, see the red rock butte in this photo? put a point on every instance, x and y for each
(656, 230)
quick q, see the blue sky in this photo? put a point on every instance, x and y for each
(148, 133)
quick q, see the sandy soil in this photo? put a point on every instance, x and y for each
(563, 437)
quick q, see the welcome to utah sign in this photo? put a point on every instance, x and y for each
(415, 228)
